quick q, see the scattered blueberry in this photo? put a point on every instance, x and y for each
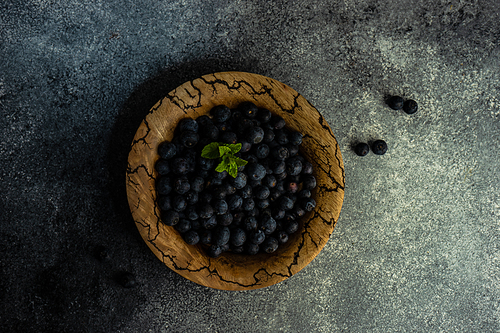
(379, 147)
(410, 106)
(362, 149)
(395, 102)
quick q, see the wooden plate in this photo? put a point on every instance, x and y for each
(232, 271)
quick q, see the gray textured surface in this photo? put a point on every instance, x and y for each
(417, 246)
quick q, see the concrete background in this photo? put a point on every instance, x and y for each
(417, 245)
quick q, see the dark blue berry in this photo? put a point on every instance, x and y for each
(295, 138)
(254, 135)
(239, 181)
(189, 138)
(282, 237)
(261, 192)
(269, 181)
(164, 202)
(281, 137)
(181, 185)
(238, 237)
(183, 225)
(167, 150)
(248, 204)
(214, 251)
(188, 124)
(361, 149)
(209, 223)
(280, 153)
(179, 203)
(197, 184)
(234, 202)
(221, 236)
(410, 106)
(203, 121)
(262, 204)
(257, 237)
(210, 131)
(395, 102)
(304, 194)
(170, 217)
(206, 237)
(206, 163)
(277, 122)
(191, 237)
(246, 192)
(298, 211)
(229, 137)
(264, 115)
(278, 213)
(293, 166)
(220, 113)
(256, 171)
(261, 151)
(293, 150)
(248, 109)
(162, 167)
(251, 248)
(206, 211)
(268, 135)
(379, 147)
(292, 227)
(309, 182)
(245, 146)
(164, 185)
(191, 213)
(191, 197)
(309, 204)
(180, 166)
(268, 224)
(205, 197)
(220, 207)
(307, 168)
(250, 223)
(237, 249)
(225, 219)
(281, 176)
(270, 245)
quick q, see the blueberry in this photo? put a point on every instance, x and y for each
(214, 251)
(270, 245)
(191, 197)
(191, 237)
(250, 158)
(183, 226)
(167, 150)
(195, 225)
(191, 213)
(220, 113)
(361, 149)
(248, 204)
(209, 223)
(254, 134)
(179, 203)
(239, 181)
(234, 202)
(278, 213)
(257, 237)
(189, 138)
(262, 204)
(295, 138)
(245, 146)
(205, 197)
(256, 171)
(309, 182)
(127, 280)
(282, 237)
(268, 135)
(236, 116)
(379, 147)
(225, 219)
(203, 121)
(298, 211)
(281, 176)
(309, 204)
(246, 192)
(229, 137)
(293, 166)
(264, 115)
(188, 124)
(410, 106)
(291, 187)
(281, 137)
(293, 150)
(237, 249)
(197, 184)
(261, 151)
(180, 166)
(206, 163)
(238, 218)
(220, 207)
(280, 153)
(269, 181)
(274, 195)
(304, 194)
(164, 185)
(221, 236)
(206, 211)
(210, 131)
(268, 224)
(181, 185)
(230, 189)
(292, 227)
(206, 237)
(162, 167)
(307, 168)
(261, 192)
(250, 223)
(248, 109)
(238, 237)
(395, 102)
(277, 122)
(219, 192)
(251, 248)
(170, 217)
(164, 202)
(278, 167)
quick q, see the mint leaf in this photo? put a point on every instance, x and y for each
(211, 151)
(238, 161)
(223, 150)
(224, 164)
(236, 147)
(233, 169)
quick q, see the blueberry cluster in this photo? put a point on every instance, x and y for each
(255, 211)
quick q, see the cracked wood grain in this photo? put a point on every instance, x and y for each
(232, 271)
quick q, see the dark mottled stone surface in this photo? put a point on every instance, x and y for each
(417, 244)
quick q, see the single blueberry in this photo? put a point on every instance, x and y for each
(395, 102)
(361, 149)
(379, 147)
(410, 106)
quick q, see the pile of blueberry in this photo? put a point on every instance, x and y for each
(255, 211)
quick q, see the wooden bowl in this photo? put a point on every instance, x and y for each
(233, 271)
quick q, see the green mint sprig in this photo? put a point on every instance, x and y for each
(224, 151)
